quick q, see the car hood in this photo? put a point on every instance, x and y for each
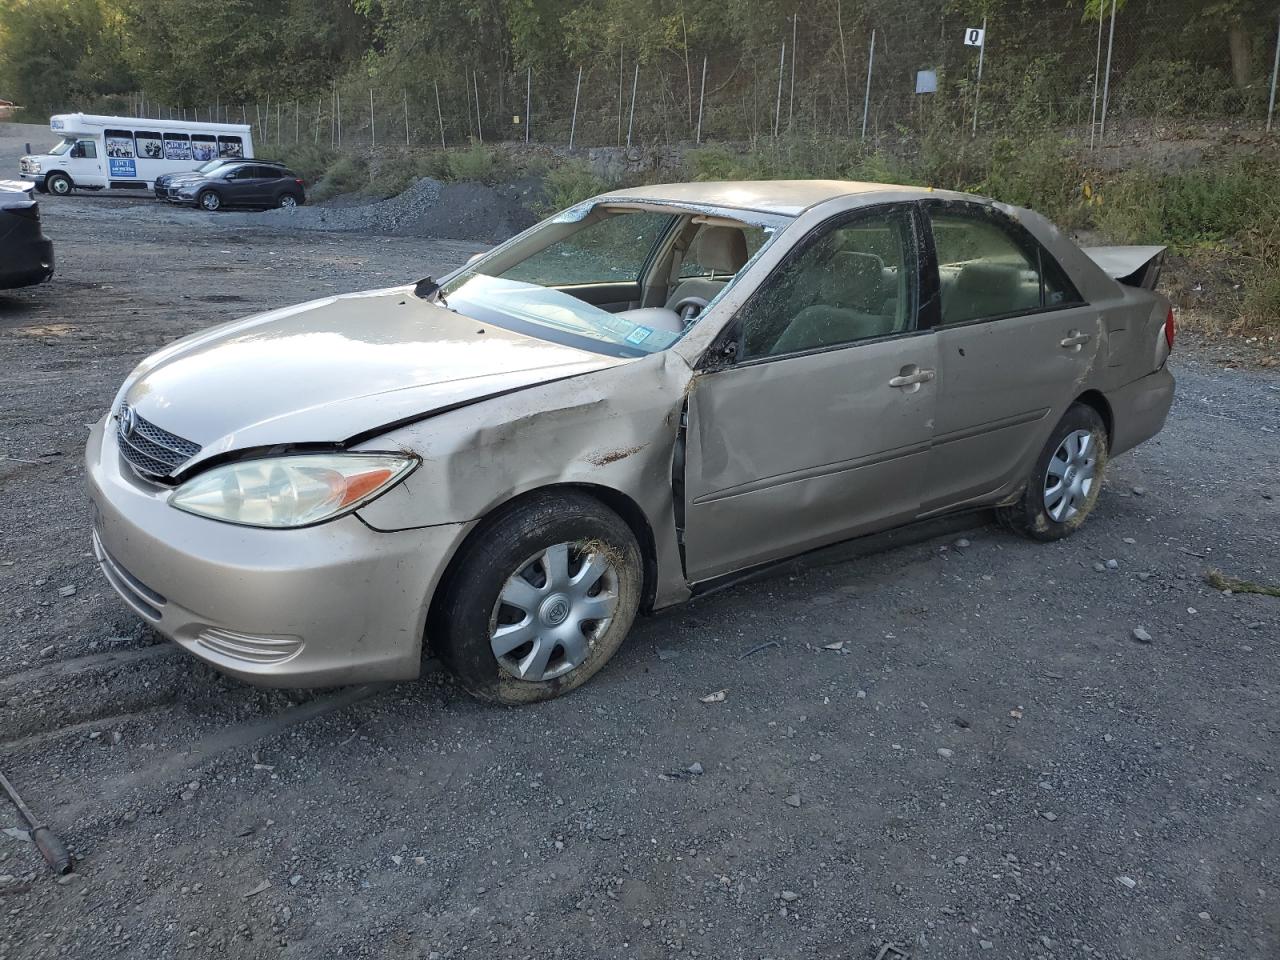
(336, 370)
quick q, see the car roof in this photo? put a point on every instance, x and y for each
(787, 198)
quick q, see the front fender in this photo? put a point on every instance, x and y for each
(614, 428)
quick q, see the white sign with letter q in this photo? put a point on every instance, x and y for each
(974, 36)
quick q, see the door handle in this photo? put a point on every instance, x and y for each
(911, 379)
(1074, 340)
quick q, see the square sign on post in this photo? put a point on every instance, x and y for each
(974, 36)
(926, 81)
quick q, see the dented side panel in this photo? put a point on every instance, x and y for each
(612, 429)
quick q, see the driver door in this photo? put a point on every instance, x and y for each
(821, 428)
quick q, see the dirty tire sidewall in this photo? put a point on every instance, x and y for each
(459, 628)
(59, 184)
(1028, 515)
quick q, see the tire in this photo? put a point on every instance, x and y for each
(209, 200)
(1066, 480)
(514, 556)
(59, 184)
(287, 201)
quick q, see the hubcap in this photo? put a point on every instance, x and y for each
(59, 186)
(551, 611)
(210, 201)
(1070, 477)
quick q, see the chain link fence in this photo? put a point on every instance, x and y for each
(831, 75)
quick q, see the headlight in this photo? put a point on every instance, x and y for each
(294, 491)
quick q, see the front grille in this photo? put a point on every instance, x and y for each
(149, 449)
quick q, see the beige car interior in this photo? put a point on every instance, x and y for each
(716, 250)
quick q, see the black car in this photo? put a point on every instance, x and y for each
(165, 181)
(26, 254)
(248, 183)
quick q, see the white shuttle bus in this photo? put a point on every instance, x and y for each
(128, 153)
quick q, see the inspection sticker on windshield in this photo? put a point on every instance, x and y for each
(639, 335)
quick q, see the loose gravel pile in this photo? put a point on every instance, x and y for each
(428, 208)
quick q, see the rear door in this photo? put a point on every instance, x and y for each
(820, 429)
(1015, 340)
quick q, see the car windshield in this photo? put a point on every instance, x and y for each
(607, 280)
(210, 166)
(61, 147)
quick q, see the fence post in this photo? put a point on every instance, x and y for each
(1097, 69)
(621, 50)
(315, 130)
(475, 81)
(1275, 69)
(702, 94)
(573, 123)
(297, 121)
(406, 115)
(777, 109)
(866, 99)
(791, 101)
(279, 124)
(337, 103)
(373, 122)
(631, 118)
(977, 87)
(439, 113)
(1106, 78)
(528, 102)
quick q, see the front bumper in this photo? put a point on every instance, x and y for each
(333, 604)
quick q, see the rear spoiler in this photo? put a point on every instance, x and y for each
(1132, 266)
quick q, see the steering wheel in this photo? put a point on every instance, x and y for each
(689, 308)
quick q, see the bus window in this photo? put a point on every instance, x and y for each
(119, 143)
(177, 146)
(230, 147)
(150, 145)
(203, 147)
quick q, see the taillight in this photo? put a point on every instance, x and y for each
(298, 182)
(1170, 329)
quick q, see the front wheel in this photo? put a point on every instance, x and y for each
(539, 600)
(59, 184)
(209, 200)
(1065, 481)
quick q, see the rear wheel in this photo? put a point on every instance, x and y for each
(539, 600)
(59, 184)
(1065, 481)
(209, 200)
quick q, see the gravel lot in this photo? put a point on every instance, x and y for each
(989, 766)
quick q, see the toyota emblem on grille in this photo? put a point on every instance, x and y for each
(128, 422)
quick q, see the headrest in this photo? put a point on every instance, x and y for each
(723, 249)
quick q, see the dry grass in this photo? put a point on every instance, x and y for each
(1220, 581)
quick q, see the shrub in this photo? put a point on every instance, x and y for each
(344, 175)
(567, 184)
(309, 161)
(474, 163)
(1041, 174)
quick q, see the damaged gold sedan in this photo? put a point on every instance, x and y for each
(654, 391)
